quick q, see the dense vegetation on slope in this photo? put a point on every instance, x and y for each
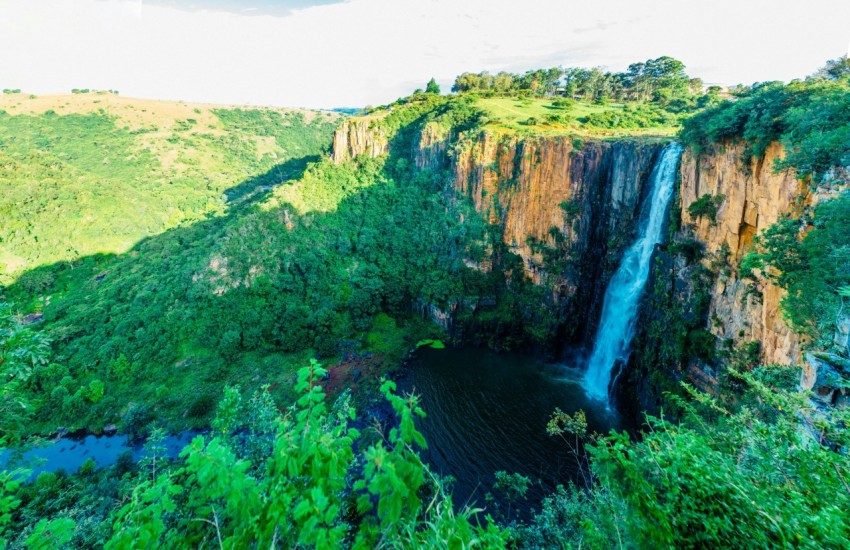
(332, 265)
(100, 178)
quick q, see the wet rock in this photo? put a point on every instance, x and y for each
(110, 429)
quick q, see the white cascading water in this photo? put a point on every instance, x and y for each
(620, 308)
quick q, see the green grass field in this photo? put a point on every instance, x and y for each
(512, 114)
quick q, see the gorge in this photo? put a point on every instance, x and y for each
(643, 304)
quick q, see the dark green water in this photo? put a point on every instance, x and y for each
(488, 411)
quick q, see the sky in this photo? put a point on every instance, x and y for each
(331, 53)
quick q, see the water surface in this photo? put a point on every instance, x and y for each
(69, 453)
(488, 411)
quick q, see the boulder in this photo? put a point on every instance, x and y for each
(824, 376)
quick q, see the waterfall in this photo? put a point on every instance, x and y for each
(620, 307)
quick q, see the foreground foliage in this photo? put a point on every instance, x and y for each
(754, 473)
(302, 479)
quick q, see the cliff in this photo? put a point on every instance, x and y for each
(545, 190)
(359, 136)
(754, 198)
(565, 207)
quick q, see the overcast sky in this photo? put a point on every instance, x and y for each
(326, 53)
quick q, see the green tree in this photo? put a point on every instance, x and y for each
(706, 206)
(432, 87)
(311, 491)
(835, 69)
(21, 351)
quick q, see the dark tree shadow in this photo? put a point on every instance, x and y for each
(256, 189)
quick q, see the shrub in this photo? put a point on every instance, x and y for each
(563, 104)
(707, 206)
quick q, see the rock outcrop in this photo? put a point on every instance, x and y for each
(566, 207)
(359, 136)
(754, 198)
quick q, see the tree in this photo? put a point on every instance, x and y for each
(21, 350)
(835, 69)
(432, 87)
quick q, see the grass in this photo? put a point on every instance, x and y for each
(512, 114)
(85, 174)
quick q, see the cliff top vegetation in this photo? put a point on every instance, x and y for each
(810, 118)
(650, 99)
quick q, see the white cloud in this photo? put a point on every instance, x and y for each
(372, 51)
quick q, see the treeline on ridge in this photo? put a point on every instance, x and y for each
(661, 80)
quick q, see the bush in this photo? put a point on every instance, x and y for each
(683, 481)
(563, 104)
(707, 206)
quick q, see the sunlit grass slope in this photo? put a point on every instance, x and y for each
(95, 173)
(556, 115)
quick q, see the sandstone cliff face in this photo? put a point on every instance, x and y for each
(755, 198)
(575, 200)
(359, 136)
(536, 187)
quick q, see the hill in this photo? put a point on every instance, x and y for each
(95, 173)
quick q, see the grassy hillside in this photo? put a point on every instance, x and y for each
(557, 115)
(95, 173)
(328, 264)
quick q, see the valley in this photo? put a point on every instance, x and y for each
(283, 285)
